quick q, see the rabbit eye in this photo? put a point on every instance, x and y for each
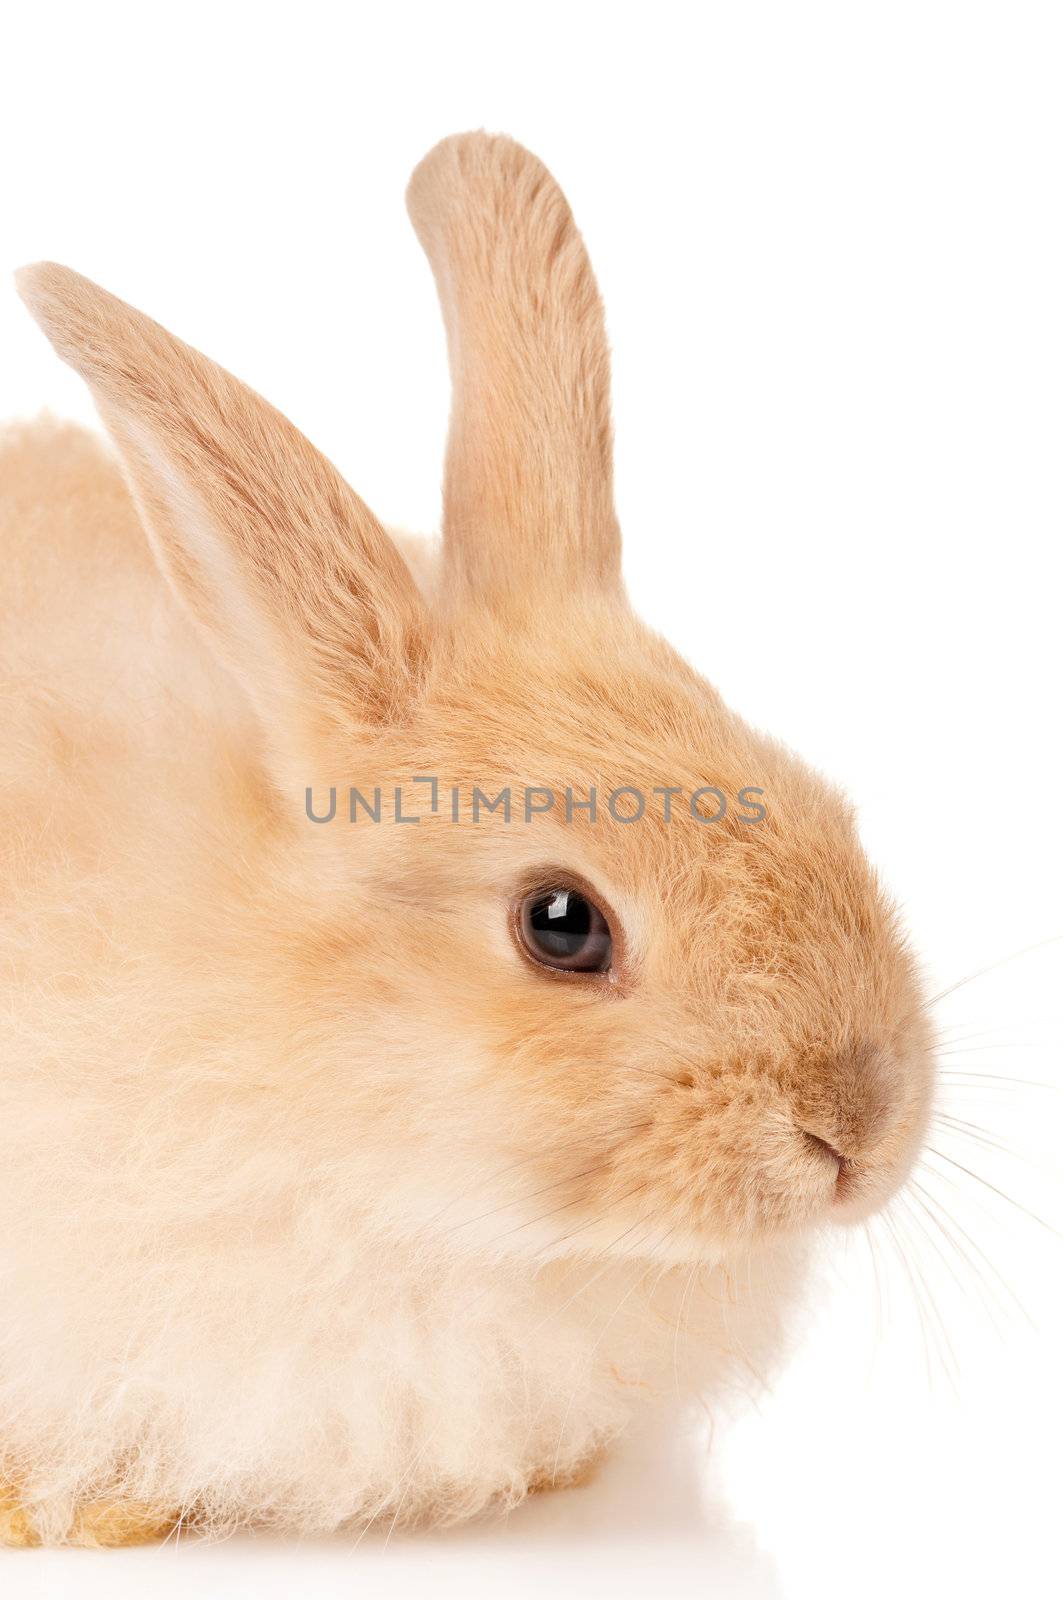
(561, 928)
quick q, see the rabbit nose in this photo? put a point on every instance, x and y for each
(849, 1102)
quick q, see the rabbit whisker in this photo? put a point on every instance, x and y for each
(997, 1079)
(888, 1220)
(973, 1130)
(994, 966)
(910, 1201)
(978, 1178)
(950, 1226)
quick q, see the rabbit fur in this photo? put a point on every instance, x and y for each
(322, 1207)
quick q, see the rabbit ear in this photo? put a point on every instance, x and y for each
(299, 587)
(528, 496)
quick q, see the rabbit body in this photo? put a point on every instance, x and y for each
(321, 1207)
(202, 1324)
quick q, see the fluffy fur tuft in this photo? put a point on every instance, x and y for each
(323, 1204)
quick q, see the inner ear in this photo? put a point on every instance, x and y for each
(528, 494)
(296, 584)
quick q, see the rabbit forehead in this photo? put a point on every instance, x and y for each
(623, 740)
(566, 689)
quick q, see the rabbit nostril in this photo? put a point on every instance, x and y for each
(825, 1148)
(845, 1177)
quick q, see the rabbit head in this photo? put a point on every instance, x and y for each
(635, 1023)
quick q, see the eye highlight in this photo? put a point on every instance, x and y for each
(562, 928)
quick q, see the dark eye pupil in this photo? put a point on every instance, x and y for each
(561, 922)
(562, 928)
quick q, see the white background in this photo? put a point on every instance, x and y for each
(830, 245)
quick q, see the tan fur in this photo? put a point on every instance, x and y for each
(321, 1204)
(529, 485)
(96, 1524)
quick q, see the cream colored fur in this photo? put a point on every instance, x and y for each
(320, 1205)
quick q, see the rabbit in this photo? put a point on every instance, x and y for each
(370, 1172)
